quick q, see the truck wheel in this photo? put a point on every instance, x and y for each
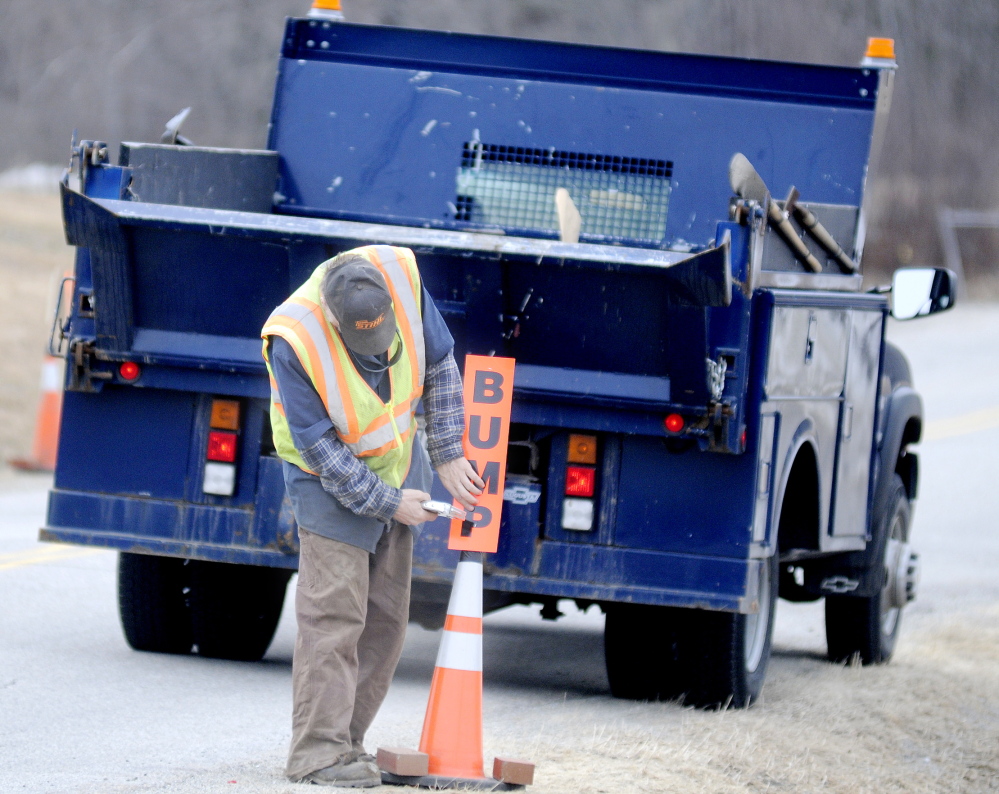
(152, 603)
(725, 655)
(641, 651)
(868, 627)
(235, 608)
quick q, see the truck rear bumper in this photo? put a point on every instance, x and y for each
(143, 544)
(243, 555)
(624, 575)
(260, 535)
(257, 537)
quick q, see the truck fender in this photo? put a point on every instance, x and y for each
(903, 426)
(803, 435)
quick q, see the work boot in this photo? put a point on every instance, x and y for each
(360, 754)
(346, 774)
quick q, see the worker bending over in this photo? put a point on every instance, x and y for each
(350, 353)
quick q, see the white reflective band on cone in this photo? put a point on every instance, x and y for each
(466, 593)
(460, 651)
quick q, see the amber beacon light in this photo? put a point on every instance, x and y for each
(878, 48)
(880, 54)
(326, 9)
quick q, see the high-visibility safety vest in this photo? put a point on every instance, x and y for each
(380, 434)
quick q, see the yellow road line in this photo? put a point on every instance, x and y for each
(48, 548)
(44, 554)
(985, 419)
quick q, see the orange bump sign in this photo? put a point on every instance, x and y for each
(488, 400)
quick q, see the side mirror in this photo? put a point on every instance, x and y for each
(918, 291)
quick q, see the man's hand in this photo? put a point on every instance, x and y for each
(461, 481)
(409, 511)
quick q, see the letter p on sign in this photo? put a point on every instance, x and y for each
(488, 399)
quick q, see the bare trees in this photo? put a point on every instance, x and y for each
(123, 68)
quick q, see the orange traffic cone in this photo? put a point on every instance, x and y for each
(452, 728)
(43, 451)
(450, 755)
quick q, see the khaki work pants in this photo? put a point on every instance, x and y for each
(352, 609)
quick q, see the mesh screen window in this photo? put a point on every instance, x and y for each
(514, 187)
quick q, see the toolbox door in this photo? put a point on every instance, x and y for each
(804, 384)
(857, 417)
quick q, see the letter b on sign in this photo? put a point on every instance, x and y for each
(487, 388)
(488, 400)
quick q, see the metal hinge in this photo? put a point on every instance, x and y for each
(81, 376)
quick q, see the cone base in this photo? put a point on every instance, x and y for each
(444, 782)
(23, 464)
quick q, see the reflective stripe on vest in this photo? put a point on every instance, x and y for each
(379, 433)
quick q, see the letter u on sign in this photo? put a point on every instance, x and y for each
(488, 400)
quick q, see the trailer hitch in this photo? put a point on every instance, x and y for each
(81, 375)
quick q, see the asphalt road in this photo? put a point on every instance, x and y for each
(81, 712)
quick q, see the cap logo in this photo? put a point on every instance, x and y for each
(367, 325)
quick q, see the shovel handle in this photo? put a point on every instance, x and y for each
(821, 235)
(787, 232)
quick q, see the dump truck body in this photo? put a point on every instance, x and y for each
(712, 373)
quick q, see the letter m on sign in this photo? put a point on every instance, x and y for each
(488, 400)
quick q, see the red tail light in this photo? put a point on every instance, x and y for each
(580, 481)
(221, 447)
(673, 423)
(129, 370)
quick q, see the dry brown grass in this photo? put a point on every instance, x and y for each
(33, 255)
(928, 722)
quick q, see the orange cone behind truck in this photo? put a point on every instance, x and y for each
(46, 441)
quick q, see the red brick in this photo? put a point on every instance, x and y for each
(403, 761)
(513, 770)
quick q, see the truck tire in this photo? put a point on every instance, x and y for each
(152, 603)
(641, 651)
(710, 659)
(867, 627)
(235, 608)
(725, 654)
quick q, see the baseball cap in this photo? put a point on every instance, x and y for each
(356, 293)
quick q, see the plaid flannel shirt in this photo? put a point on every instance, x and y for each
(355, 485)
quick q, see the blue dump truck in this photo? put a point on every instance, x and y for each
(706, 414)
